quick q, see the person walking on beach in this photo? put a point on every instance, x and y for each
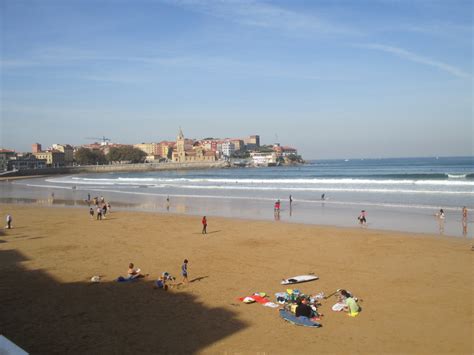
(104, 209)
(464, 220)
(204, 225)
(9, 222)
(167, 203)
(91, 212)
(99, 213)
(184, 271)
(109, 208)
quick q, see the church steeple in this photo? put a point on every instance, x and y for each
(180, 134)
(180, 147)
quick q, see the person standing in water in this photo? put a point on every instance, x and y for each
(464, 220)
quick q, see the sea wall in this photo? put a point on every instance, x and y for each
(118, 167)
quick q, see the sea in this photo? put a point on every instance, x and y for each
(400, 194)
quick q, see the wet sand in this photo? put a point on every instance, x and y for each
(318, 212)
(417, 290)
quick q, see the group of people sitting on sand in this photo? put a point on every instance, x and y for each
(307, 306)
(164, 281)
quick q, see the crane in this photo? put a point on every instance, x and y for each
(103, 139)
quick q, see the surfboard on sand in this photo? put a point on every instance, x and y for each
(298, 279)
(302, 321)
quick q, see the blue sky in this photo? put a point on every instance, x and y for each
(335, 79)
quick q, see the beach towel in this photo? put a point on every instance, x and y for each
(126, 279)
(338, 307)
(254, 298)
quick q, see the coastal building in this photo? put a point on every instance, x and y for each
(228, 148)
(252, 142)
(28, 161)
(263, 158)
(239, 144)
(166, 148)
(149, 148)
(68, 151)
(183, 153)
(53, 158)
(284, 151)
(36, 148)
(153, 158)
(5, 156)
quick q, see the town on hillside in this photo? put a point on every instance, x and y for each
(237, 151)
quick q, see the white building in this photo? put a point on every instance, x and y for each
(263, 159)
(228, 148)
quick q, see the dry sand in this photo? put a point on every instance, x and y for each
(417, 291)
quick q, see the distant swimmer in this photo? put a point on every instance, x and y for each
(291, 200)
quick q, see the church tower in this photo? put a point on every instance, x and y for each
(181, 158)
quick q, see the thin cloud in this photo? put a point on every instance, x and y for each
(68, 57)
(402, 53)
(258, 14)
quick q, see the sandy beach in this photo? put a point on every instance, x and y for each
(417, 290)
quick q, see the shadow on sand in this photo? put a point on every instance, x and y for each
(45, 316)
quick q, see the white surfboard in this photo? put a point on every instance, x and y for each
(298, 279)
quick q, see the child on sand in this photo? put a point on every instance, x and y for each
(91, 212)
(184, 271)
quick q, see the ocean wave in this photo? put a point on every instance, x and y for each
(457, 181)
(457, 176)
(317, 189)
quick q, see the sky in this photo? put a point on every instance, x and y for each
(334, 79)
